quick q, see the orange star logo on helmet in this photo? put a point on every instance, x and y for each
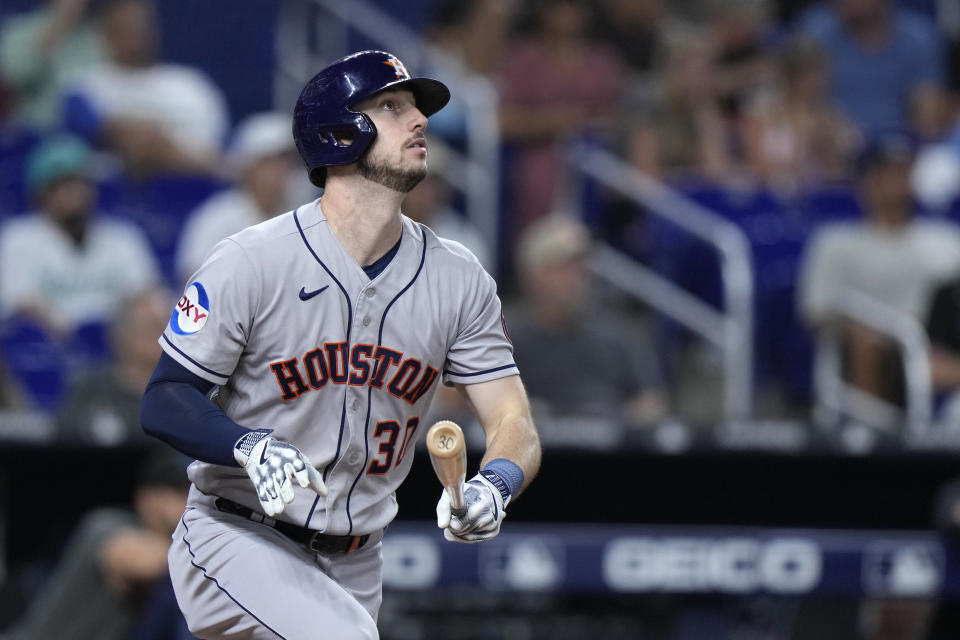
(398, 67)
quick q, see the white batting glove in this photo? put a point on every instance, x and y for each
(271, 464)
(486, 508)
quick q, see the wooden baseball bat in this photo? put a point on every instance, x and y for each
(448, 454)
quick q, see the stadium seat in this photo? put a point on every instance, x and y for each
(15, 144)
(36, 362)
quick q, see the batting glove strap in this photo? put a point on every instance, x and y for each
(246, 443)
(498, 483)
(511, 474)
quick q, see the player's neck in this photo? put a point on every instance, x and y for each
(364, 216)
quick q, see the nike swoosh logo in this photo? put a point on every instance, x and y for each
(263, 456)
(306, 295)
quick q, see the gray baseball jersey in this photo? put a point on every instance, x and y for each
(300, 340)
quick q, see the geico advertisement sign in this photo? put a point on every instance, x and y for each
(736, 565)
(628, 564)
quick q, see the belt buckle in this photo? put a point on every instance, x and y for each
(314, 543)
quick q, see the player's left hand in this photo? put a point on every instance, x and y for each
(486, 508)
(272, 465)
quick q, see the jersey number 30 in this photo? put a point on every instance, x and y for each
(389, 432)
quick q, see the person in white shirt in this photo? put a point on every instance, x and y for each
(262, 161)
(63, 266)
(158, 117)
(890, 256)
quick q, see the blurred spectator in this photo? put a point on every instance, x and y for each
(690, 124)
(936, 173)
(41, 52)
(430, 203)
(112, 562)
(634, 28)
(887, 64)
(580, 364)
(472, 36)
(103, 404)
(681, 133)
(556, 83)
(890, 256)
(262, 162)
(474, 31)
(159, 118)
(63, 266)
(795, 136)
(943, 329)
(736, 32)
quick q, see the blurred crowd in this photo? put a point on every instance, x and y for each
(828, 131)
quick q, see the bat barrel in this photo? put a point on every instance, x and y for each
(445, 440)
(448, 454)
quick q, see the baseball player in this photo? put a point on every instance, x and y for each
(300, 361)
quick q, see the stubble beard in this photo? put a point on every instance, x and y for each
(392, 177)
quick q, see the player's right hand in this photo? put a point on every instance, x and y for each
(486, 508)
(272, 465)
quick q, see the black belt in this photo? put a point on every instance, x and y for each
(311, 539)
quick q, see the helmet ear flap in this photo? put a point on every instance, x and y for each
(344, 135)
(342, 143)
(318, 177)
(338, 136)
(366, 131)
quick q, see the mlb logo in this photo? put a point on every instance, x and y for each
(411, 561)
(522, 563)
(903, 569)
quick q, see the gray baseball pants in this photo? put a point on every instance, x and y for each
(236, 579)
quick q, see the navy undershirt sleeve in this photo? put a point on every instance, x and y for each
(175, 409)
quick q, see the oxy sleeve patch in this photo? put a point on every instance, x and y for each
(192, 310)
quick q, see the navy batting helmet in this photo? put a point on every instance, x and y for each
(328, 131)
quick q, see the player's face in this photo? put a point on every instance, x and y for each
(398, 156)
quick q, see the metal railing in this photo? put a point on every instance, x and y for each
(307, 40)
(730, 330)
(835, 397)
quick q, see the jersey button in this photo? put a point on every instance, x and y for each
(354, 458)
(354, 405)
(370, 292)
(366, 321)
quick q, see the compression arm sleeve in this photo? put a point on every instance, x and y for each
(175, 409)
